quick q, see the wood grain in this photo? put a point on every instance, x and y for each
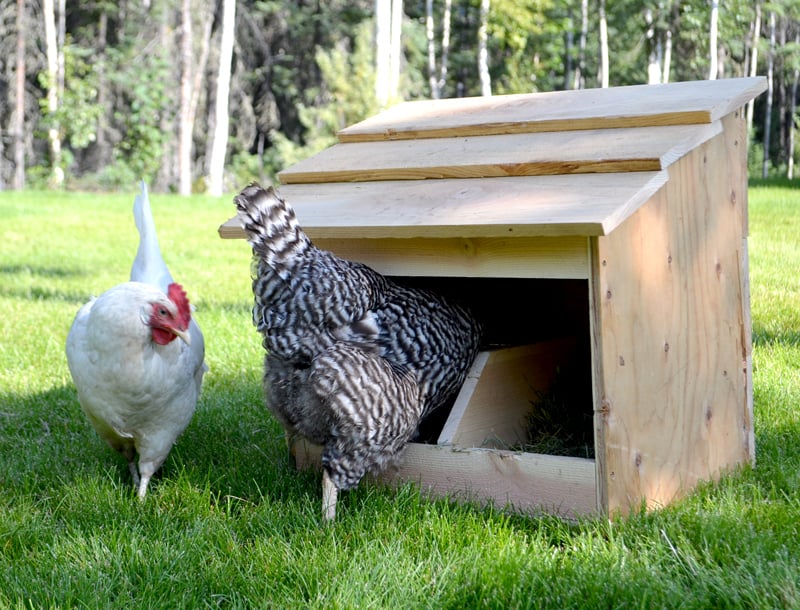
(521, 482)
(674, 333)
(519, 257)
(492, 408)
(681, 103)
(527, 154)
(585, 204)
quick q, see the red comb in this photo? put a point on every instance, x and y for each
(177, 295)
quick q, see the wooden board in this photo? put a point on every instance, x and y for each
(584, 204)
(527, 154)
(492, 407)
(673, 331)
(681, 103)
(522, 257)
(521, 482)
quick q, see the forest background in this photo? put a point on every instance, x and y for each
(204, 96)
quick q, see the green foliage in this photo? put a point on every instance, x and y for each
(302, 70)
(517, 31)
(146, 100)
(78, 110)
(349, 96)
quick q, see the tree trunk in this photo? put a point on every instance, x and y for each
(569, 36)
(185, 111)
(19, 116)
(102, 149)
(61, 37)
(446, 19)
(483, 52)
(433, 80)
(168, 40)
(792, 110)
(603, 76)
(396, 53)
(770, 87)
(654, 53)
(667, 56)
(756, 29)
(51, 49)
(383, 26)
(201, 64)
(220, 144)
(580, 71)
(713, 51)
(388, 49)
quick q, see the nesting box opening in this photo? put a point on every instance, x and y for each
(530, 387)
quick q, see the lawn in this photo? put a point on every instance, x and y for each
(230, 523)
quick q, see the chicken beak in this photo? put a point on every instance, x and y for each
(183, 334)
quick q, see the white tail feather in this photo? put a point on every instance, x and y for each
(148, 266)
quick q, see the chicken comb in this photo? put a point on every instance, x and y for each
(177, 295)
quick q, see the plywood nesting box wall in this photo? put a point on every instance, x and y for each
(602, 228)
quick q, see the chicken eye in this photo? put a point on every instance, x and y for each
(162, 311)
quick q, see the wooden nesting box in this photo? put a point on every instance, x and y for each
(603, 227)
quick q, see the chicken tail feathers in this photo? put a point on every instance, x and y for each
(148, 266)
(272, 227)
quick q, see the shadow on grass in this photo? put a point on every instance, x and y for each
(45, 272)
(232, 445)
(23, 282)
(785, 337)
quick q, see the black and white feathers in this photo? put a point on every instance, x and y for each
(354, 360)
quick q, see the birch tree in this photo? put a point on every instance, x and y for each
(712, 41)
(792, 111)
(383, 25)
(602, 78)
(429, 35)
(184, 112)
(755, 29)
(667, 56)
(446, 24)
(19, 115)
(220, 142)
(388, 49)
(483, 51)
(61, 40)
(437, 76)
(51, 51)
(654, 45)
(770, 89)
(396, 48)
(580, 70)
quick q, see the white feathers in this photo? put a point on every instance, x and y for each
(148, 266)
(138, 393)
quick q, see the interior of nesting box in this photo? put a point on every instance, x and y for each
(530, 387)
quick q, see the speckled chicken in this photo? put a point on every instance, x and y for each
(354, 360)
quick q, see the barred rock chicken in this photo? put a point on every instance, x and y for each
(136, 384)
(354, 360)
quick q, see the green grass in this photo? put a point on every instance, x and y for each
(229, 523)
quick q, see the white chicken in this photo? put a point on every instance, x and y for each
(136, 384)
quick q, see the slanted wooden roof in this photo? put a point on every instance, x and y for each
(560, 163)
(682, 103)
